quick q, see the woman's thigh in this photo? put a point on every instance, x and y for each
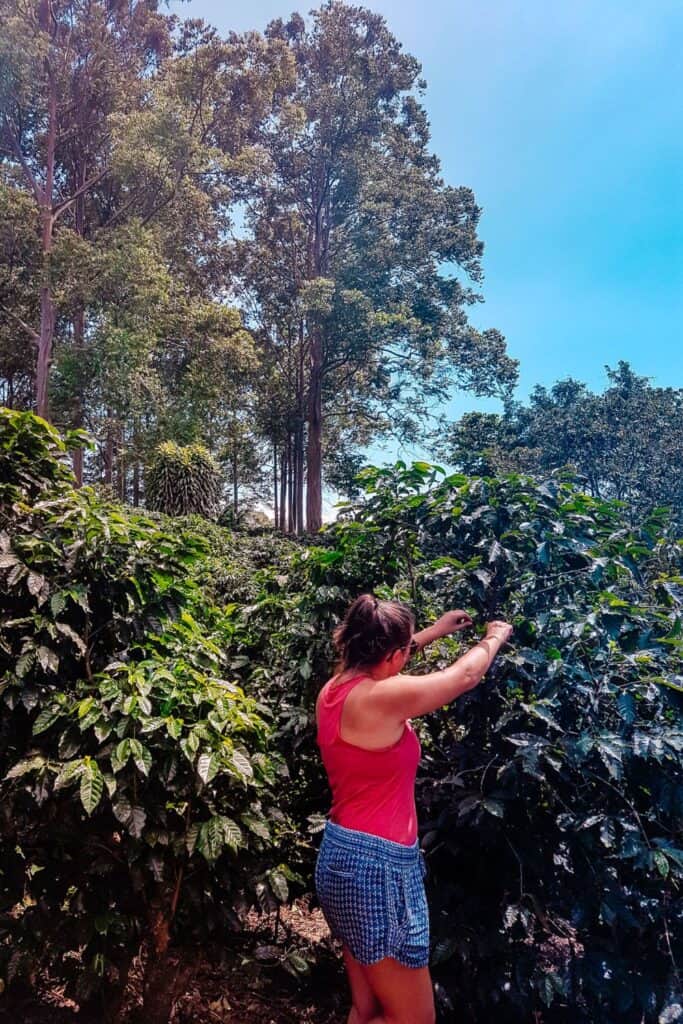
(364, 999)
(405, 993)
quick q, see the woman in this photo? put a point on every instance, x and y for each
(370, 870)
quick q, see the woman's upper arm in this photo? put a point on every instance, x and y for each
(406, 696)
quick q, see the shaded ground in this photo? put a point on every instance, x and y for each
(247, 984)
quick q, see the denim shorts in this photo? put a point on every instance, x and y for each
(371, 891)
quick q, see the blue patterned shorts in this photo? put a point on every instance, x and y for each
(372, 894)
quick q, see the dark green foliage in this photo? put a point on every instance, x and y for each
(135, 780)
(183, 480)
(624, 443)
(551, 796)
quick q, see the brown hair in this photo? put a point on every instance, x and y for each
(370, 630)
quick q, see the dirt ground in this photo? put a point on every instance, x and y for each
(246, 984)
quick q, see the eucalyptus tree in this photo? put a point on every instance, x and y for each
(352, 232)
(123, 128)
(64, 67)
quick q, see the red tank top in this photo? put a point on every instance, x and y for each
(372, 790)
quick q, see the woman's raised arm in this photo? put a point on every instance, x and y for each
(405, 696)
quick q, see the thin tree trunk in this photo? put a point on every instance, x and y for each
(299, 497)
(301, 420)
(234, 480)
(296, 526)
(275, 506)
(314, 497)
(290, 487)
(109, 451)
(79, 326)
(47, 329)
(121, 464)
(47, 310)
(136, 482)
(283, 488)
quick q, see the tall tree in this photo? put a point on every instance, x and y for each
(352, 232)
(62, 64)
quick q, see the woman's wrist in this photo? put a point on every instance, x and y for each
(427, 636)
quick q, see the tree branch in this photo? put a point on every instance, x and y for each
(35, 337)
(61, 207)
(38, 192)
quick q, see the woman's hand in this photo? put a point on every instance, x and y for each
(499, 630)
(452, 622)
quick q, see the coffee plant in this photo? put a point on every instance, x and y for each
(136, 780)
(157, 686)
(550, 797)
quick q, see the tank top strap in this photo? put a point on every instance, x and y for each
(338, 687)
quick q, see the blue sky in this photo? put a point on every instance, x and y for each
(565, 118)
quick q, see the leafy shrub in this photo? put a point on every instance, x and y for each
(183, 480)
(551, 796)
(135, 778)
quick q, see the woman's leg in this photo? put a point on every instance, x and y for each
(365, 1003)
(405, 993)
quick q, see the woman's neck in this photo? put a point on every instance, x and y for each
(381, 671)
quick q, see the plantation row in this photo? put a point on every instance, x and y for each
(158, 770)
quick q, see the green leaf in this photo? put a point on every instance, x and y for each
(191, 838)
(242, 764)
(69, 773)
(45, 719)
(35, 583)
(278, 883)
(662, 863)
(174, 727)
(85, 706)
(133, 818)
(232, 832)
(258, 826)
(627, 707)
(119, 756)
(92, 784)
(300, 965)
(211, 838)
(493, 807)
(29, 764)
(207, 767)
(141, 756)
(67, 631)
(145, 705)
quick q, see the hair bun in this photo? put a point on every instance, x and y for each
(369, 632)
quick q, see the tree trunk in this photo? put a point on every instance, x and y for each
(301, 420)
(291, 528)
(47, 330)
(234, 480)
(136, 482)
(47, 310)
(283, 488)
(79, 327)
(299, 495)
(165, 976)
(314, 496)
(109, 452)
(275, 507)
